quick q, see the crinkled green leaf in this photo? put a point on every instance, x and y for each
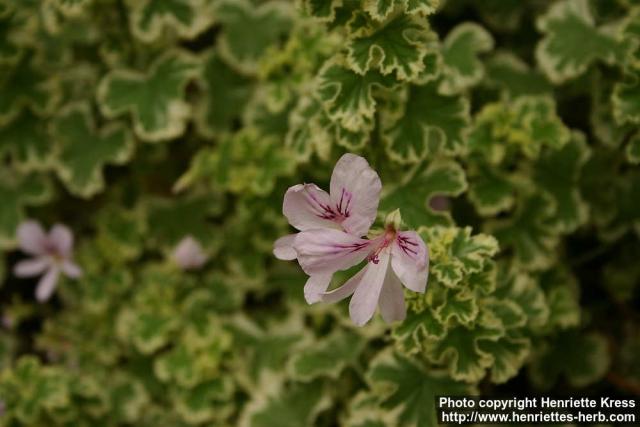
(154, 99)
(83, 150)
(459, 349)
(410, 389)
(151, 19)
(425, 122)
(440, 179)
(421, 325)
(455, 253)
(397, 45)
(459, 307)
(460, 51)
(244, 49)
(572, 41)
(347, 97)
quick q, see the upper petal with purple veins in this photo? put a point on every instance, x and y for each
(307, 207)
(327, 251)
(355, 193)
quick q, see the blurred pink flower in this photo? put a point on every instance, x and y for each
(394, 258)
(351, 206)
(189, 255)
(51, 254)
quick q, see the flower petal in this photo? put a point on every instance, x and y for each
(283, 248)
(327, 251)
(392, 305)
(365, 299)
(316, 285)
(47, 285)
(410, 260)
(189, 254)
(71, 269)
(345, 290)
(307, 207)
(355, 190)
(31, 267)
(62, 238)
(31, 238)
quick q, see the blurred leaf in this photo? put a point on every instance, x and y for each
(154, 99)
(83, 150)
(460, 51)
(572, 41)
(410, 389)
(440, 179)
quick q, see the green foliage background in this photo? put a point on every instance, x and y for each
(139, 122)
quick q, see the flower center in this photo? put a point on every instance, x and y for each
(388, 237)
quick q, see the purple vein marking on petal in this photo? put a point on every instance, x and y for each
(353, 247)
(344, 210)
(323, 211)
(403, 242)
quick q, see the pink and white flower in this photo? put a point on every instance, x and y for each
(51, 253)
(331, 239)
(394, 258)
(189, 255)
(350, 206)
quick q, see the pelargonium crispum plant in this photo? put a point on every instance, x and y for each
(480, 158)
